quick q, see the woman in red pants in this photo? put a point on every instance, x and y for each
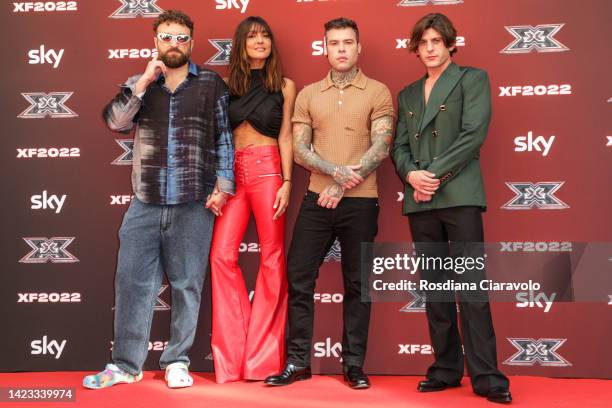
(248, 339)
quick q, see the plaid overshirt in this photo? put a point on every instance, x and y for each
(182, 142)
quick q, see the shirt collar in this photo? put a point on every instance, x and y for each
(359, 81)
(193, 68)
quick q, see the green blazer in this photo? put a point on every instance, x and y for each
(444, 137)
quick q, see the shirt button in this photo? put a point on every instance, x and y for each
(341, 92)
(339, 102)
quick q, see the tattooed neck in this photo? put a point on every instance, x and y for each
(342, 79)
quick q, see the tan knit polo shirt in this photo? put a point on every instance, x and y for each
(341, 122)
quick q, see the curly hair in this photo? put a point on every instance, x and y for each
(173, 16)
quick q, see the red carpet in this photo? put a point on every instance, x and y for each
(320, 392)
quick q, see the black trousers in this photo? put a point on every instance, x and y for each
(353, 222)
(455, 232)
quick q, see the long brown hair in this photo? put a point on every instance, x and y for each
(438, 22)
(239, 69)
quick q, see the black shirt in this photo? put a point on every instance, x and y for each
(262, 109)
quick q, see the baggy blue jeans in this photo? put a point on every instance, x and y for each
(154, 239)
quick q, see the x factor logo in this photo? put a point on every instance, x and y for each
(335, 253)
(125, 159)
(409, 3)
(539, 38)
(49, 250)
(52, 104)
(417, 304)
(224, 47)
(160, 304)
(135, 8)
(531, 352)
(539, 195)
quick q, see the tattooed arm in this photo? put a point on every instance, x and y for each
(308, 158)
(303, 155)
(381, 134)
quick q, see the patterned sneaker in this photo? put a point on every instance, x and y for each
(110, 376)
(177, 376)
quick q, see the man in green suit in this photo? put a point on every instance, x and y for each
(442, 122)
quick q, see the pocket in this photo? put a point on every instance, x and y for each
(311, 197)
(131, 213)
(362, 203)
(371, 201)
(372, 207)
(268, 165)
(270, 175)
(454, 99)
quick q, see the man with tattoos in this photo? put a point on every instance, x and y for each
(342, 129)
(443, 121)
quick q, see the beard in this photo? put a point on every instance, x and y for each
(174, 59)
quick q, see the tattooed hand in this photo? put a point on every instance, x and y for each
(331, 196)
(347, 176)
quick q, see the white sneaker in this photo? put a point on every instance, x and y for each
(177, 376)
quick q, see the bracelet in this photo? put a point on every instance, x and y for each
(287, 180)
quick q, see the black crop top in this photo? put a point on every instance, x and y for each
(262, 109)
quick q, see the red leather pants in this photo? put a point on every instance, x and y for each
(248, 340)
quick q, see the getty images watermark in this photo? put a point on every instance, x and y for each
(498, 272)
(459, 265)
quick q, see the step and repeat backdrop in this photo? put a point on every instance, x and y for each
(546, 165)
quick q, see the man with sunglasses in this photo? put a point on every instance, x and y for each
(181, 177)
